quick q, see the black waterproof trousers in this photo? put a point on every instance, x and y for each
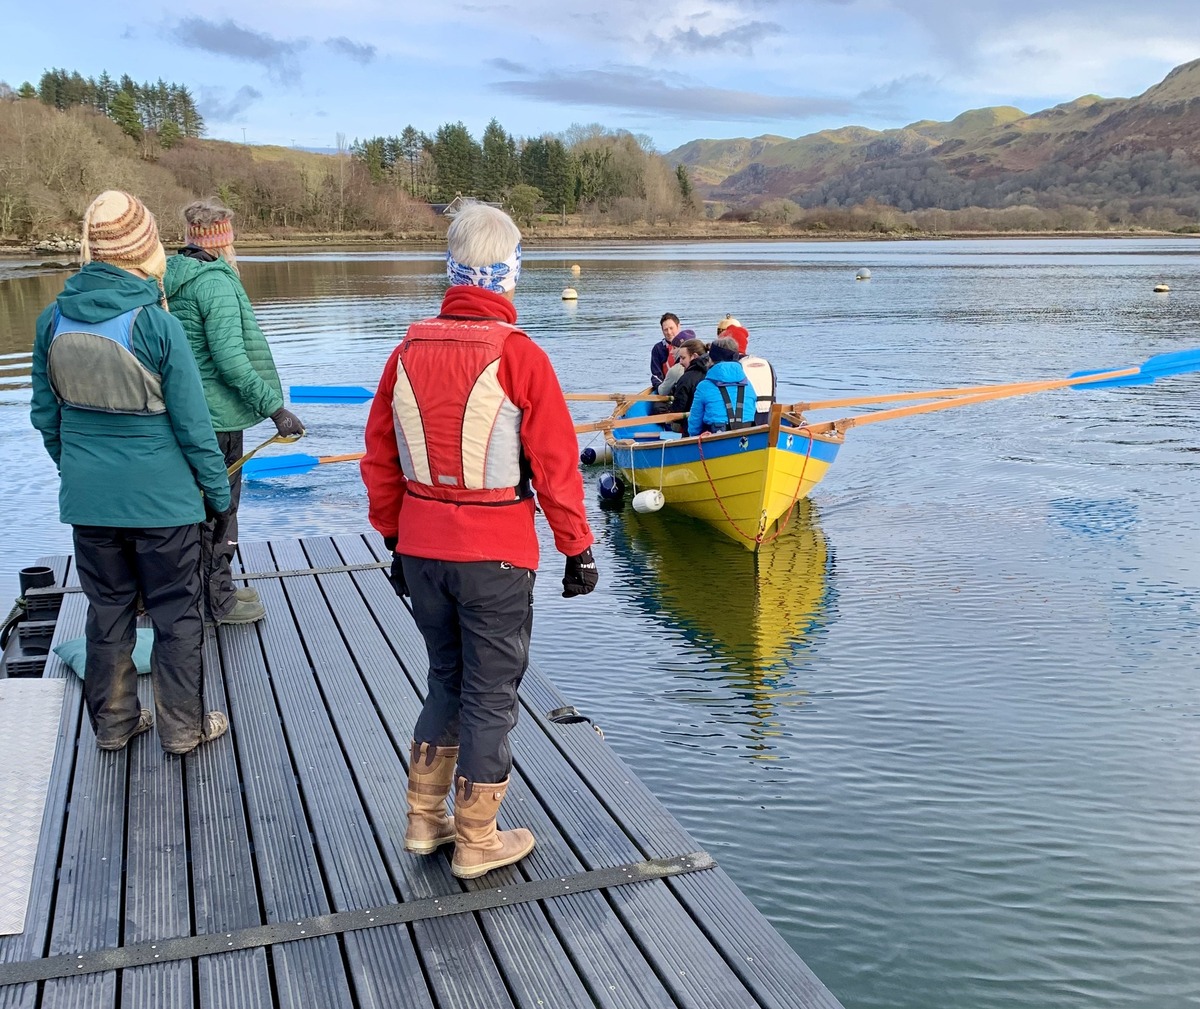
(476, 618)
(164, 565)
(220, 594)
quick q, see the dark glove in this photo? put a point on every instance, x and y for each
(287, 423)
(220, 521)
(581, 575)
(396, 574)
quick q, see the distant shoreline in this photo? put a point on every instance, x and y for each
(534, 239)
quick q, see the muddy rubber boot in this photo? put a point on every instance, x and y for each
(430, 775)
(479, 846)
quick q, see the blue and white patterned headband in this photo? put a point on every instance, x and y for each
(499, 277)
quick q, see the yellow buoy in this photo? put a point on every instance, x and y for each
(575, 269)
(570, 294)
(1161, 289)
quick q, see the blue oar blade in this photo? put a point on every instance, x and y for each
(1108, 383)
(279, 465)
(330, 394)
(1175, 363)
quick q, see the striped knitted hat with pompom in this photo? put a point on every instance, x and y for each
(118, 229)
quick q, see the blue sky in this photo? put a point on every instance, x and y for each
(302, 71)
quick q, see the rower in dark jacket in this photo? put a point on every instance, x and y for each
(693, 355)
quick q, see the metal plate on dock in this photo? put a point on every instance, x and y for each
(30, 712)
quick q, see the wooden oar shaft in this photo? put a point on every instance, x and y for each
(614, 397)
(996, 393)
(899, 397)
(348, 457)
(609, 424)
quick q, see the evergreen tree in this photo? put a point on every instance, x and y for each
(48, 88)
(456, 158)
(560, 177)
(106, 88)
(26, 90)
(169, 134)
(685, 184)
(496, 170)
(412, 144)
(124, 113)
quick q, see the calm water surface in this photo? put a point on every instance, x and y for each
(946, 733)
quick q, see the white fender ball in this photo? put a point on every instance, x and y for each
(647, 501)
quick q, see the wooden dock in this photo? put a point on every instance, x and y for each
(267, 869)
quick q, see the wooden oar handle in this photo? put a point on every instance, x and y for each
(348, 457)
(275, 439)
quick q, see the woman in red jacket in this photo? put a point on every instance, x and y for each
(468, 419)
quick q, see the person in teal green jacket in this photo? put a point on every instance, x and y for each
(118, 401)
(242, 387)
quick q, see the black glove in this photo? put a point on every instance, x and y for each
(581, 575)
(220, 521)
(287, 423)
(396, 574)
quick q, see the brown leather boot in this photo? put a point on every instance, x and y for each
(480, 847)
(430, 775)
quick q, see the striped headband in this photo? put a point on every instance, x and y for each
(499, 277)
(211, 236)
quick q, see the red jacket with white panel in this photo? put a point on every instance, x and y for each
(468, 411)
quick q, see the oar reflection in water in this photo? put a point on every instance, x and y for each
(753, 613)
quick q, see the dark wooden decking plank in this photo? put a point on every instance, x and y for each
(287, 873)
(87, 907)
(383, 963)
(34, 940)
(605, 955)
(157, 893)
(224, 893)
(526, 949)
(467, 976)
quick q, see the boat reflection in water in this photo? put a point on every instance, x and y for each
(752, 614)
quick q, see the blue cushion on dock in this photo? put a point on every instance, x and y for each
(74, 652)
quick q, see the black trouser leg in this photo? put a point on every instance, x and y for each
(219, 590)
(168, 563)
(476, 619)
(105, 563)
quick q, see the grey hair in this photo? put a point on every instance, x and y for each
(727, 343)
(205, 213)
(481, 235)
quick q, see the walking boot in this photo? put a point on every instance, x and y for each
(430, 775)
(479, 846)
(243, 612)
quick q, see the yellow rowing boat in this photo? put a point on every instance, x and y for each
(744, 483)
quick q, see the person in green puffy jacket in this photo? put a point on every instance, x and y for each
(241, 385)
(118, 402)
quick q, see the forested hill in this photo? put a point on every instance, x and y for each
(1129, 156)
